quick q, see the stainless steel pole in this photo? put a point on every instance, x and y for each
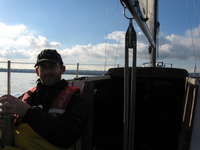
(77, 70)
(8, 78)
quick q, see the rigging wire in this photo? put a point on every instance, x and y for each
(116, 54)
(187, 4)
(196, 14)
(115, 20)
(106, 41)
(107, 46)
(198, 26)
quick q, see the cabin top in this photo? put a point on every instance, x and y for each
(151, 72)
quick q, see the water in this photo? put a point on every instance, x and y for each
(21, 82)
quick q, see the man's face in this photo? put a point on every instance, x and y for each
(50, 73)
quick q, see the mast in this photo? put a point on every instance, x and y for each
(155, 30)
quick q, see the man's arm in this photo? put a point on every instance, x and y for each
(61, 131)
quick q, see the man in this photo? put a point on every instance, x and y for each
(52, 111)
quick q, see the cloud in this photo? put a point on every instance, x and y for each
(194, 32)
(12, 52)
(92, 53)
(179, 47)
(20, 44)
(13, 32)
(117, 36)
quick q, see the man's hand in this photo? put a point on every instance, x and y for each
(11, 104)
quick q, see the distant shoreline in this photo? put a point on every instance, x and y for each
(73, 72)
(80, 72)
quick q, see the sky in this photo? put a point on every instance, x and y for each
(91, 33)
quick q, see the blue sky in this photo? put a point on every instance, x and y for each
(84, 31)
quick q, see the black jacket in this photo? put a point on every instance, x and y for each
(61, 131)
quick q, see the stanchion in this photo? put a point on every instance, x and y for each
(7, 134)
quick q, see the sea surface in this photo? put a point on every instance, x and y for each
(22, 82)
